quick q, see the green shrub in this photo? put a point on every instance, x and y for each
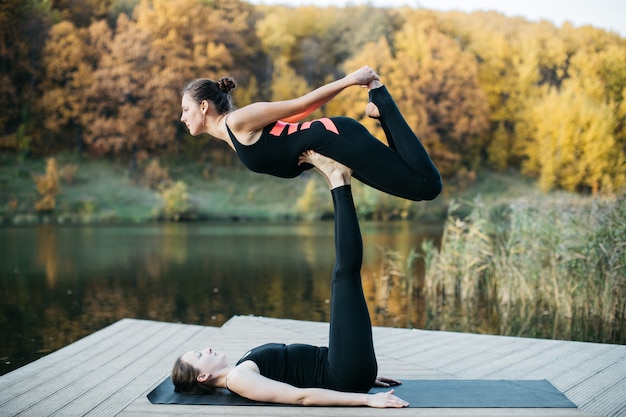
(176, 201)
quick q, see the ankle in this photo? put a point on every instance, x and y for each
(337, 178)
(374, 84)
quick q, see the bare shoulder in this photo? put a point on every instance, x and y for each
(247, 122)
(247, 366)
(245, 118)
(242, 373)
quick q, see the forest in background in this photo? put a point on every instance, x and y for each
(89, 86)
(103, 77)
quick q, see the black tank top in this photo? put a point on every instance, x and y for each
(300, 365)
(281, 144)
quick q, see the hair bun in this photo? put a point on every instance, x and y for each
(226, 84)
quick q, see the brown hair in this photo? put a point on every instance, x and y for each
(216, 92)
(184, 378)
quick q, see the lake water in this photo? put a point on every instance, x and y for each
(61, 283)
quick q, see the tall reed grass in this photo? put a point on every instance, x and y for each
(563, 254)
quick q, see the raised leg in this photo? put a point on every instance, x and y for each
(351, 357)
(399, 134)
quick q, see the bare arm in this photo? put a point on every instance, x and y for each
(251, 118)
(250, 384)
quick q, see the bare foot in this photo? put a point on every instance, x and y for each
(334, 173)
(372, 110)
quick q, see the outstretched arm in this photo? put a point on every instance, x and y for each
(255, 116)
(250, 384)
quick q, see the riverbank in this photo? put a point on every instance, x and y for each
(102, 191)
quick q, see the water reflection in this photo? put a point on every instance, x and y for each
(59, 284)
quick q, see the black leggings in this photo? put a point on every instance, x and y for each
(351, 358)
(403, 168)
(408, 171)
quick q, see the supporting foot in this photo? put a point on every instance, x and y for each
(335, 173)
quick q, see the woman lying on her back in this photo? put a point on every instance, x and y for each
(340, 374)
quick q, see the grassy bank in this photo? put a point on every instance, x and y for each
(102, 191)
(562, 256)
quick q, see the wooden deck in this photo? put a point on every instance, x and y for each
(110, 372)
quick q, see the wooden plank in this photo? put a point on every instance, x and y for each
(609, 403)
(605, 376)
(426, 353)
(143, 383)
(76, 352)
(495, 359)
(263, 330)
(604, 360)
(131, 357)
(125, 386)
(40, 379)
(420, 345)
(525, 367)
(79, 381)
(547, 363)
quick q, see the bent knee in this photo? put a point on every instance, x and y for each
(428, 190)
(435, 189)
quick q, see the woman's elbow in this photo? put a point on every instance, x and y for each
(307, 398)
(305, 401)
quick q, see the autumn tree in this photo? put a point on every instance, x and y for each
(564, 150)
(555, 96)
(575, 137)
(316, 41)
(439, 93)
(275, 38)
(599, 69)
(202, 42)
(117, 99)
(23, 27)
(477, 88)
(81, 13)
(286, 84)
(70, 57)
(134, 100)
(352, 29)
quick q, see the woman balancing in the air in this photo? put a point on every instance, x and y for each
(268, 140)
(340, 374)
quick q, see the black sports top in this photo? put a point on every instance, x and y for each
(300, 365)
(281, 144)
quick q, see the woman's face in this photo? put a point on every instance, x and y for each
(192, 115)
(207, 361)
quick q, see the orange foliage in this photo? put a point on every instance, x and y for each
(474, 87)
(47, 186)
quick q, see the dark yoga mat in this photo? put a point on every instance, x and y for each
(447, 393)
